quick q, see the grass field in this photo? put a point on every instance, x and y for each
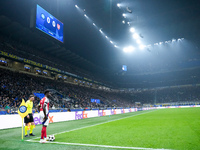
(154, 129)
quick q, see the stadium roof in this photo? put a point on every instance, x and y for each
(85, 43)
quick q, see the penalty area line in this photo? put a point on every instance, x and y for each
(98, 123)
(104, 146)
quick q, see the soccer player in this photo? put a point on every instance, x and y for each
(29, 118)
(44, 115)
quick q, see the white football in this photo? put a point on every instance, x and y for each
(51, 138)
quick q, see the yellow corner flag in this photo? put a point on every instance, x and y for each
(22, 111)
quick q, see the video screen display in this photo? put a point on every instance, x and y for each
(49, 24)
(95, 101)
(124, 68)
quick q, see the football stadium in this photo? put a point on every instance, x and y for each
(99, 75)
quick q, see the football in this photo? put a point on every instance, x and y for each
(51, 138)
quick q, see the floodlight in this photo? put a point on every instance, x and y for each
(128, 49)
(138, 41)
(136, 36)
(142, 47)
(173, 40)
(132, 30)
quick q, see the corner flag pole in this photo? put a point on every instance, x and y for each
(22, 129)
(22, 111)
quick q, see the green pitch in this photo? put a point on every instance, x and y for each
(156, 129)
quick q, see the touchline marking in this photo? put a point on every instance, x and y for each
(105, 146)
(96, 124)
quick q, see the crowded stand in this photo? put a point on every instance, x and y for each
(15, 86)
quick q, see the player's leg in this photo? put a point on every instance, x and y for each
(42, 131)
(32, 125)
(45, 124)
(26, 121)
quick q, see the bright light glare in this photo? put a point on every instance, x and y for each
(156, 44)
(173, 40)
(128, 49)
(138, 41)
(100, 31)
(106, 37)
(111, 42)
(161, 43)
(124, 15)
(85, 15)
(142, 47)
(132, 30)
(123, 22)
(76, 6)
(136, 36)
(118, 5)
(115, 46)
(94, 24)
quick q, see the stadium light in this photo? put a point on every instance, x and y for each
(115, 46)
(85, 15)
(128, 49)
(76, 6)
(173, 40)
(155, 43)
(138, 41)
(118, 5)
(94, 24)
(123, 22)
(142, 47)
(132, 30)
(136, 36)
(106, 37)
(128, 23)
(100, 31)
(161, 43)
(111, 42)
(124, 15)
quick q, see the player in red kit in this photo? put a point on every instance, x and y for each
(44, 115)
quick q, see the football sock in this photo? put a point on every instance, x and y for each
(26, 129)
(42, 133)
(45, 129)
(31, 129)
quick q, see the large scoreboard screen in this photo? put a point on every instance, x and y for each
(49, 24)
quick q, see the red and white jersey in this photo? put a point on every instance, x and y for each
(43, 101)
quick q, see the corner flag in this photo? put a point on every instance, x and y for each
(22, 111)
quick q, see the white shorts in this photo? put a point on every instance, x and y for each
(46, 122)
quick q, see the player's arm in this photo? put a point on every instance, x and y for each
(27, 107)
(38, 107)
(44, 110)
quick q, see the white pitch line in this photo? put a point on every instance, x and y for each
(95, 124)
(105, 146)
